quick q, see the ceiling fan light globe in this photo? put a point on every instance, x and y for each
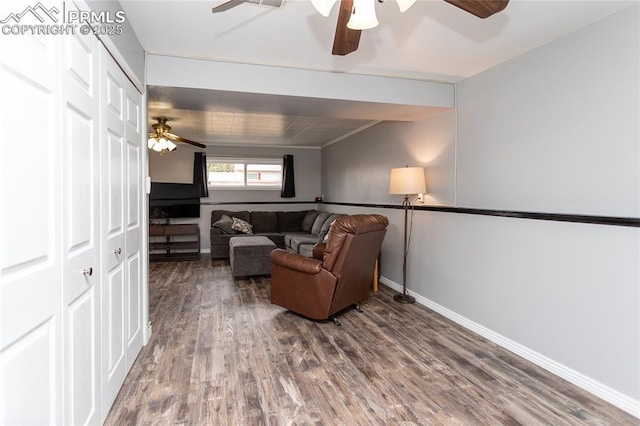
(363, 16)
(157, 148)
(151, 142)
(323, 6)
(163, 143)
(404, 5)
(171, 146)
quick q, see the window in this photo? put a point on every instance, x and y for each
(249, 173)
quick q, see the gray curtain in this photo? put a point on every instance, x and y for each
(288, 181)
(200, 173)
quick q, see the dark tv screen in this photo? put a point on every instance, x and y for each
(173, 200)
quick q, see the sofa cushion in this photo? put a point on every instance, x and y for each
(308, 220)
(242, 226)
(317, 224)
(224, 224)
(306, 250)
(290, 221)
(298, 240)
(216, 215)
(264, 222)
(327, 225)
(288, 237)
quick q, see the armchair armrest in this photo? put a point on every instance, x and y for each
(296, 262)
(318, 250)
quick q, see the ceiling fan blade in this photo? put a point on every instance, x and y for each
(228, 5)
(480, 8)
(183, 140)
(346, 40)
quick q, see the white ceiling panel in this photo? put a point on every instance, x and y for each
(433, 41)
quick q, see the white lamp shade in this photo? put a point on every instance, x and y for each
(407, 180)
(404, 4)
(151, 143)
(323, 6)
(363, 16)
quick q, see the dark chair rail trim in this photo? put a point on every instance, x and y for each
(556, 217)
(226, 203)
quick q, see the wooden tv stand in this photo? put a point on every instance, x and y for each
(174, 242)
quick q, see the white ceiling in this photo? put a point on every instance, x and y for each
(431, 41)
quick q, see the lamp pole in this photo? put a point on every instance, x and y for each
(404, 297)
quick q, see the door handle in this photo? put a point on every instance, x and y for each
(118, 251)
(87, 272)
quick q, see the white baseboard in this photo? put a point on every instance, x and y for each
(148, 333)
(594, 387)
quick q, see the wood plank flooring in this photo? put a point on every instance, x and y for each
(221, 354)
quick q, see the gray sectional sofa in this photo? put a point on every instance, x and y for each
(296, 231)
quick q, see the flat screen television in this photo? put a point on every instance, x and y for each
(174, 200)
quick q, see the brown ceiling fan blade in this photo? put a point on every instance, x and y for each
(346, 40)
(480, 8)
(183, 140)
(228, 5)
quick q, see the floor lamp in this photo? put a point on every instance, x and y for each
(407, 181)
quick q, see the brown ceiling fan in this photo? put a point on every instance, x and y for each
(346, 40)
(162, 132)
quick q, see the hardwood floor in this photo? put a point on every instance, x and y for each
(221, 354)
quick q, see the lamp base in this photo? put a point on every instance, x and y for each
(404, 298)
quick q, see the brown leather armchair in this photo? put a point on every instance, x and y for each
(318, 288)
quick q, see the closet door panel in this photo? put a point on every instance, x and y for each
(134, 191)
(82, 360)
(113, 208)
(30, 218)
(81, 277)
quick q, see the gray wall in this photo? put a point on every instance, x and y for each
(557, 129)
(554, 130)
(357, 168)
(177, 166)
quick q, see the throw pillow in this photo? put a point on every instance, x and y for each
(242, 226)
(224, 224)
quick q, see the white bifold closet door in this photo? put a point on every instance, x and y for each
(31, 319)
(71, 226)
(122, 192)
(81, 228)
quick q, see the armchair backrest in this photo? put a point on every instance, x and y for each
(351, 252)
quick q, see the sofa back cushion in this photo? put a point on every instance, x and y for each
(308, 220)
(327, 224)
(264, 222)
(290, 221)
(317, 224)
(216, 215)
(225, 225)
